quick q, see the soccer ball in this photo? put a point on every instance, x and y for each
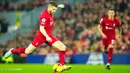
(57, 68)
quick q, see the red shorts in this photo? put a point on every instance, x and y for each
(108, 41)
(39, 39)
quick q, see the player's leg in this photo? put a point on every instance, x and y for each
(62, 48)
(59, 45)
(105, 45)
(27, 50)
(110, 48)
(14, 51)
(110, 52)
(30, 49)
(38, 40)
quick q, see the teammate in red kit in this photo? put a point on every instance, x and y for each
(107, 28)
(44, 35)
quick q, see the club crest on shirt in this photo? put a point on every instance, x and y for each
(43, 20)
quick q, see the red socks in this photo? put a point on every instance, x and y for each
(18, 50)
(110, 54)
(22, 50)
(62, 57)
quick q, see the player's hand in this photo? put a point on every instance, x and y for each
(120, 36)
(61, 6)
(104, 36)
(48, 39)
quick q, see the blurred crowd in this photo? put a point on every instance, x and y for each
(81, 20)
(77, 28)
(3, 26)
(26, 6)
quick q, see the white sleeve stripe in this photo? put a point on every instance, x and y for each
(101, 20)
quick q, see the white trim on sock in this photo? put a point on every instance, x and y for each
(108, 63)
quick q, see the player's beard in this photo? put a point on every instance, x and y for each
(52, 12)
(111, 17)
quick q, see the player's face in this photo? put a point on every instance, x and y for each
(53, 9)
(111, 13)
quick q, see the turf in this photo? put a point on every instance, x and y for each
(42, 68)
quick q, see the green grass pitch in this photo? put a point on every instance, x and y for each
(42, 68)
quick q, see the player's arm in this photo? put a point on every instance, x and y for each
(119, 28)
(99, 28)
(43, 31)
(120, 32)
(61, 6)
(43, 23)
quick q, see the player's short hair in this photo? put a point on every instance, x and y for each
(53, 3)
(111, 9)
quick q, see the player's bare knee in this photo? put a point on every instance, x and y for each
(29, 49)
(27, 52)
(111, 46)
(63, 48)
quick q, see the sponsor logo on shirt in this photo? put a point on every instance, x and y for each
(109, 28)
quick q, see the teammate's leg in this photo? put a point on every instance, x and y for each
(105, 45)
(110, 54)
(110, 48)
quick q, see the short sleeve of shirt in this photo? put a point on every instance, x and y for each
(101, 22)
(43, 21)
(118, 23)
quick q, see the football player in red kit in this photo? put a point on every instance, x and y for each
(44, 35)
(107, 28)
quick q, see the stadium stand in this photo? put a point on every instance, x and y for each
(76, 26)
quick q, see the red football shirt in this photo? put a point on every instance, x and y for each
(46, 20)
(109, 26)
